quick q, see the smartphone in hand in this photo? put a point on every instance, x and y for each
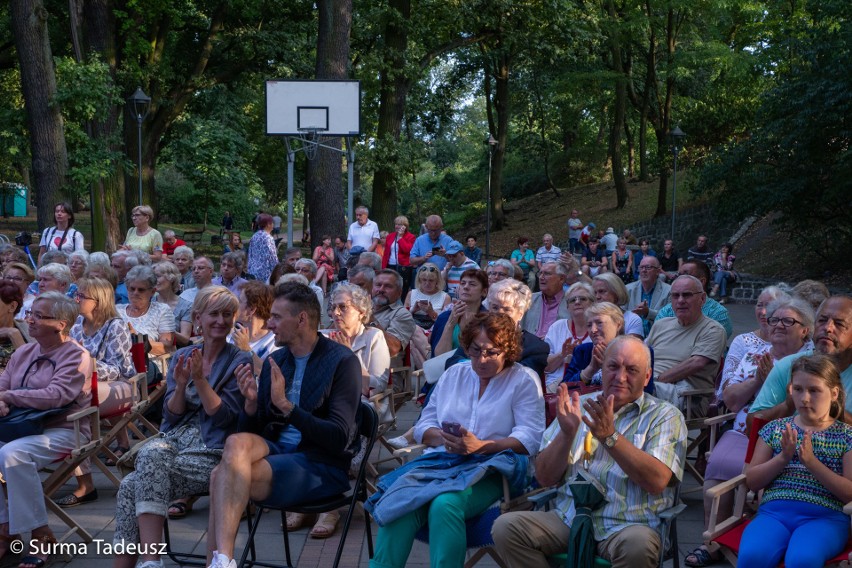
(452, 428)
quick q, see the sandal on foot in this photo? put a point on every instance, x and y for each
(119, 451)
(72, 500)
(701, 557)
(295, 521)
(180, 509)
(326, 525)
(37, 562)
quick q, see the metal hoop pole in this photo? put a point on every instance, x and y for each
(291, 159)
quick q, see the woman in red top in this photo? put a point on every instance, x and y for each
(324, 257)
(397, 251)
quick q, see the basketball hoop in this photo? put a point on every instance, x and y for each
(310, 138)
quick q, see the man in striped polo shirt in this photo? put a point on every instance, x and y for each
(637, 444)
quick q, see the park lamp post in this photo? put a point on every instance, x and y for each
(139, 103)
(676, 137)
(492, 147)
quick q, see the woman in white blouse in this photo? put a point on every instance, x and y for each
(145, 316)
(483, 406)
(61, 236)
(566, 334)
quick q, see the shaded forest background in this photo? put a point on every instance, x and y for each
(573, 91)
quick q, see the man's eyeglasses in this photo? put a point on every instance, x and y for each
(785, 322)
(648, 268)
(476, 351)
(684, 295)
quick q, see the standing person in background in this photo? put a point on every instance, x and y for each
(472, 251)
(227, 222)
(397, 252)
(61, 236)
(262, 254)
(141, 236)
(276, 225)
(363, 232)
(575, 227)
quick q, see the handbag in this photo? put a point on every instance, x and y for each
(127, 462)
(21, 421)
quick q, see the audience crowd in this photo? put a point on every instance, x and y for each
(269, 355)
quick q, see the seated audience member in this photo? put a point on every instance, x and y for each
(262, 254)
(170, 243)
(638, 448)
(609, 288)
(325, 260)
(622, 262)
(724, 275)
(77, 263)
(202, 273)
(291, 255)
(524, 258)
(52, 372)
(752, 341)
(499, 269)
(833, 337)
(52, 277)
(472, 291)
(700, 251)
(183, 258)
(371, 259)
(687, 348)
(143, 315)
(106, 338)
(548, 305)
(711, 308)
(670, 261)
(801, 464)
(738, 391)
(644, 250)
(427, 299)
(234, 243)
(13, 334)
(566, 334)
(604, 322)
(472, 251)
(251, 332)
(594, 260)
(307, 268)
(389, 315)
(609, 242)
(117, 263)
(498, 432)
(363, 276)
(141, 236)
(281, 269)
(102, 271)
(341, 256)
(298, 434)
(628, 237)
(201, 409)
(168, 286)
(513, 298)
(457, 263)
(430, 246)
(547, 252)
(812, 291)
(230, 268)
(21, 275)
(649, 294)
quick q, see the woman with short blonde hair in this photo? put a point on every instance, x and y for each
(141, 236)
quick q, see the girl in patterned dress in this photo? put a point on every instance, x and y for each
(805, 465)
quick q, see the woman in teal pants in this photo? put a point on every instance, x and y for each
(486, 410)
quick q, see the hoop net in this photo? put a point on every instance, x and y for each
(310, 138)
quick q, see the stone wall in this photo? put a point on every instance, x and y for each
(689, 223)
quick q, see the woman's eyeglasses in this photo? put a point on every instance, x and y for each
(785, 322)
(80, 297)
(578, 300)
(476, 351)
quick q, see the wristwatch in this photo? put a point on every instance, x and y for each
(611, 440)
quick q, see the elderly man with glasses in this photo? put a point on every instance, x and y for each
(202, 272)
(687, 348)
(547, 305)
(649, 294)
(498, 270)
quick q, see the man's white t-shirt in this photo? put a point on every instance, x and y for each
(363, 235)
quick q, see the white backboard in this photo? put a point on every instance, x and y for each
(332, 107)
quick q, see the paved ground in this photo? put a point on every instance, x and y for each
(189, 534)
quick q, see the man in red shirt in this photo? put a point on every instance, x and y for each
(170, 243)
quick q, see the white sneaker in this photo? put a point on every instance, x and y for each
(398, 443)
(150, 564)
(221, 561)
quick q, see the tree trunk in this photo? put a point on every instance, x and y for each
(497, 108)
(108, 204)
(393, 90)
(324, 172)
(631, 151)
(662, 189)
(620, 112)
(666, 115)
(38, 85)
